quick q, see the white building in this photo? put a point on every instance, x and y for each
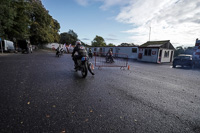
(53, 45)
(156, 51)
(126, 51)
(130, 51)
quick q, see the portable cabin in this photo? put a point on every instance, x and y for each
(156, 51)
(130, 51)
(7, 46)
(95, 50)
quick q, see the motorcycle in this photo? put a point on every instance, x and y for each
(109, 59)
(84, 65)
(59, 52)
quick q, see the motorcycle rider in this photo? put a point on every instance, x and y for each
(80, 49)
(58, 50)
(110, 55)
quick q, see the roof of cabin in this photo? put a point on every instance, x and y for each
(154, 43)
(158, 44)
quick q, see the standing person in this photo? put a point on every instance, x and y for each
(90, 53)
(80, 49)
(30, 48)
(109, 53)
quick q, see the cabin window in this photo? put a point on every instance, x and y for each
(100, 49)
(134, 50)
(147, 52)
(166, 54)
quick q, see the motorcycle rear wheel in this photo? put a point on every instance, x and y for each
(84, 71)
(90, 68)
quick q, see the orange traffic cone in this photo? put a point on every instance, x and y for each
(92, 66)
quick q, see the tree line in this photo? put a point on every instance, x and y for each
(71, 37)
(27, 20)
(183, 50)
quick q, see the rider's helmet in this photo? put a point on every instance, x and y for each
(78, 43)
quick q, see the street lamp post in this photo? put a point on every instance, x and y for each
(149, 33)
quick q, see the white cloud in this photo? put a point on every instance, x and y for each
(82, 2)
(106, 4)
(175, 20)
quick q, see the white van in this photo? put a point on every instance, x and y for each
(8, 46)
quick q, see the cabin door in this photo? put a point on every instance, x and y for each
(160, 56)
(171, 56)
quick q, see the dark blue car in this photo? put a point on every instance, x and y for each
(182, 60)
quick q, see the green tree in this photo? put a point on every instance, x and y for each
(189, 50)
(56, 28)
(111, 44)
(27, 19)
(7, 14)
(179, 50)
(20, 27)
(98, 42)
(69, 37)
(43, 29)
(183, 50)
(127, 44)
(71, 32)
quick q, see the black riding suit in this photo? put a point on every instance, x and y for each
(80, 49)
(57, 51)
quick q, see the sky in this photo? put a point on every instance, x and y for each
(129, 21)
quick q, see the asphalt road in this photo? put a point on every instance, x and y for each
(41, 93)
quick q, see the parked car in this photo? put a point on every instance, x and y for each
(183, 60)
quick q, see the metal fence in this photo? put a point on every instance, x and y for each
(120, 60)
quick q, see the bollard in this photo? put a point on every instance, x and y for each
(128, 67)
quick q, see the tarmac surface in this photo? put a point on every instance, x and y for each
(41, 93)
